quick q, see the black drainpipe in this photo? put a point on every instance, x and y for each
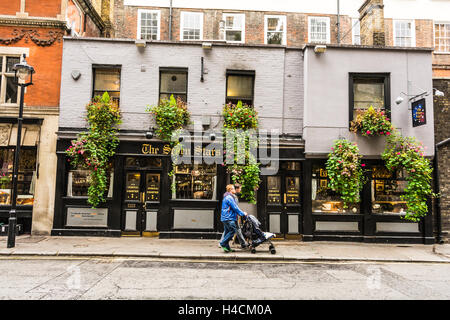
(170, 21)
(437, 202)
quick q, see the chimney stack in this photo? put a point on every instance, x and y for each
(371, 17)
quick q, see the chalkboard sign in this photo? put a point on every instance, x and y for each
(418, 111)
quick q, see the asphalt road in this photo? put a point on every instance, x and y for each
(64, 278)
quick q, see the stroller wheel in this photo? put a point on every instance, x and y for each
(253, 250)
(273, 251)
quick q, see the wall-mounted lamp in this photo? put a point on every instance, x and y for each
(320, 48)
(140, 43)
(207, 45)
(212, 136)
(437, 93)
(149, 134)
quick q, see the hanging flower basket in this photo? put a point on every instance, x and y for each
(372, 122)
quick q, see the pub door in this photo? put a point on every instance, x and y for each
(283, 204)
(141, 203)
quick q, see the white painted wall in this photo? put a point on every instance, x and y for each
(438, 10)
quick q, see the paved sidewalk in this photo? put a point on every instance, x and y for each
(208, 250)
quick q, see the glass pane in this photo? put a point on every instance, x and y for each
(323, 198)
(292, 190)
(133, 181)
(273, 190)
(115, 96)
(78, 185)
(274, 37)
(386, 191)
(275, 24)
(195, 181)
(10, 62)
(368, 92)
(11, 90)
(166, 96)
(233, 35)
(143, 162)
(107, 79)
(240, 87)
(173, 82)
(152, 187)
(290, 165)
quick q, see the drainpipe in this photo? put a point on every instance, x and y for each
(170, 21)
(338, 25)
(437, 202)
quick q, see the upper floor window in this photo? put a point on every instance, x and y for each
(369, 89)
(442, 37)
(240, 86)
(173, 81)
(356, 31)
(8, 89)
(234, 27)
(107, 79)
(191, 26)
(404, 34)
(148, 24)
(319, 29)
(275, 30)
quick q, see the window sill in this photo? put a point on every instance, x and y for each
(441, 52)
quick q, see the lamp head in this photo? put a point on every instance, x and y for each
(22, 71)
(438, 93)
(399, 100)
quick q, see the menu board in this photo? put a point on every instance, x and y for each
(273, 190)
(292, 190)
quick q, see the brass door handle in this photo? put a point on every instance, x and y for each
(285, 198)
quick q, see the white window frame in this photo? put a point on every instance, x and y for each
(434, 37)
(140, 11)
(10, 52)
(413, 30)
(224, 17)
(182, 17)
(283, 18)
(356, 26)
(327, 20)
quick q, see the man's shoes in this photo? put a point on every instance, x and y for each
(227, 249)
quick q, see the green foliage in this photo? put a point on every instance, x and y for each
(371, 123)
(345, 171)
(170, 115)
(94, 149)
(407, 153)
(239, 122)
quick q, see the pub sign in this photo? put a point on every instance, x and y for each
(418, 111)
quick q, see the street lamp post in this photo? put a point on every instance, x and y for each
(22, 71)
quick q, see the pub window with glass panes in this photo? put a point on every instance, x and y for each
(368, 90)
(324, 199)
(404, 33)
(234, 27)
(275, 30)
(191, 26)
(107, 79)
(240, 87)
(8, 89)
(195, 181)
(173, 81)
(78, 181)
(149, 24)
(387, 189)
(319, 29)
(442, 37)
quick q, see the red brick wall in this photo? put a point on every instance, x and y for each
(9, 7)
(43, 8)
(47, 64)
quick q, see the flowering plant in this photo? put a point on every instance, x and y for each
(346, 171)
(371, 122)
(170, 115)
(94, 149)
(4, 179)
(408, 153)
(240, 121)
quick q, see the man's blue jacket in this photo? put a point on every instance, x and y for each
(230, 210)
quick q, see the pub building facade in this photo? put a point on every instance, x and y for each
(291, 90)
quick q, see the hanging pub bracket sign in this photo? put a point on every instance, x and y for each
(418, 113)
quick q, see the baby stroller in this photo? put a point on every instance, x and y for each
(254, 235)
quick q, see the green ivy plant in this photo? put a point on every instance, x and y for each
(238, 119)
(170, 116)
(407, 153)
(372, 122)
(92, 150)
(346, 171)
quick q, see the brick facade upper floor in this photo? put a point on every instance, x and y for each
(138, 19)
